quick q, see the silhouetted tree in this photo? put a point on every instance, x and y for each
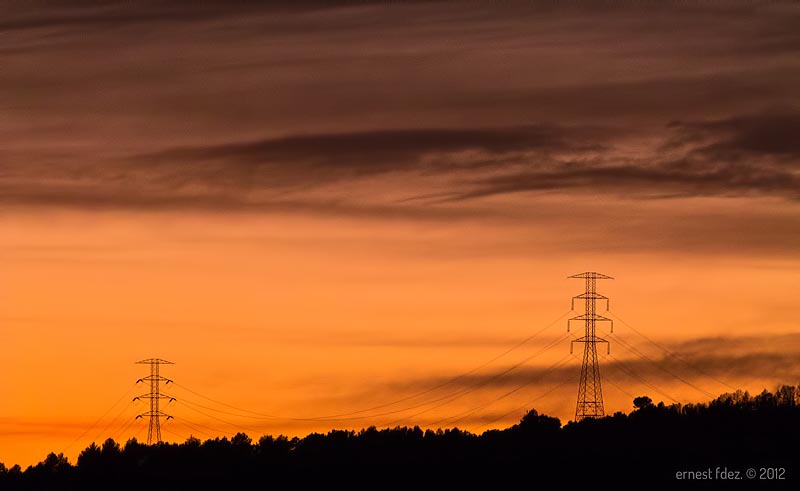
(787, 396)
(53, 464)
(192, 441)
(653, 441)
(241, 440)
(642, 402)
(110, 449)
(90, 457)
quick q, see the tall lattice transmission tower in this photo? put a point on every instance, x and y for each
(590, 391)
(155, 395)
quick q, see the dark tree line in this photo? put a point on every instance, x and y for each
(645, 447)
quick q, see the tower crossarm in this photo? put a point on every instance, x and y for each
(593, 318)
(155, 396)
(594, 296)
(585, 339)
(151, 378)
(592, 274)
(151, 413)
(154, 361)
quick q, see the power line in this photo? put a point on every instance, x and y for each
(619, 387)
(641, 355)
(111, 423)
(271, 418)
(267, 416)
(670, 353)
(472, 388)
(342, 416)
(197, 426)
(138, 432)
(121, 432)
(461, 416)
(633, 374)
(173, 433)
(219, 419)
(527, 404)
(88, 429)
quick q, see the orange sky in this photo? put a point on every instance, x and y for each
(304, 318)
(319, 211)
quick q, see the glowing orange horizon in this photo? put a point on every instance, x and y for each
(305, 330)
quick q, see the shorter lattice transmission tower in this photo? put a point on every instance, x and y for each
(155, 396)
(590, 391)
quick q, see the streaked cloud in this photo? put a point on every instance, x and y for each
(224, 104)
(731, 359)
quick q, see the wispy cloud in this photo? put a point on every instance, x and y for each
(743, 155)
(413, 111)
(771, 134)
(377, 151)
(732, 359)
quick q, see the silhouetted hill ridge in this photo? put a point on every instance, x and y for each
(649, 446)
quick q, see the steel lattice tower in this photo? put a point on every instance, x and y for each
(155, 395)
(590, 391)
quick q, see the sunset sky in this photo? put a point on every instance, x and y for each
(327, 210)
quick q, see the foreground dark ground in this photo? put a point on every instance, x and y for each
(646, 448)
